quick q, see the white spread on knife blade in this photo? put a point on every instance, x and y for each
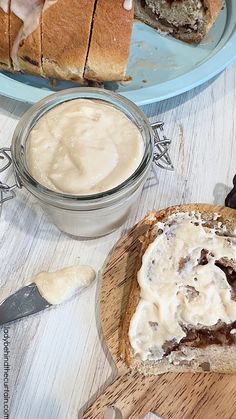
(58, 286)
(181, 283)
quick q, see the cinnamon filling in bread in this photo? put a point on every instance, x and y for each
(176, 15)
(29, 60)
(200, 338)
(187, 288)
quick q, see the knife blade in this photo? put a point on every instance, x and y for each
(25, 301)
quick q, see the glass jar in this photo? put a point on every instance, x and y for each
(85, 215)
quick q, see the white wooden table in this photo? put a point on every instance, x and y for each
(57, 364)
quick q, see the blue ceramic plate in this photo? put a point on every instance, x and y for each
(160, 66)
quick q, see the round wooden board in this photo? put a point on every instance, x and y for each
(177, 396)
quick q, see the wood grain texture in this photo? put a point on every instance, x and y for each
(171, 395)
(59, 364)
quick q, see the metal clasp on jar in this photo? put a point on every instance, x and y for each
(161, 147)
(6, 191)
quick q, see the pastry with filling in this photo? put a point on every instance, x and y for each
(181, 314)
(188, 20)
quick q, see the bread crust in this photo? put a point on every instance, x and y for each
(4, 40)
(213, 8)
(210, 358)
(110, 42)
(66, 58)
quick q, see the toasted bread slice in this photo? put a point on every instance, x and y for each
(5, 62)
(203, 349)
(183, 19)
(110, 41)
(66, 26)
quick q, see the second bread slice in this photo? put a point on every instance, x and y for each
(66, 28)
(110, 41)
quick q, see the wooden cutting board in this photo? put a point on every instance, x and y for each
(178, 396)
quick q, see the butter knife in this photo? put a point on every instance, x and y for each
(25, 301)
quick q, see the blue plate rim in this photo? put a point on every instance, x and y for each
(188, 81)
(143, 96)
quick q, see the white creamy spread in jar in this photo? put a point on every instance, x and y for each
(182, 284)
(83, 147)
(58, 286)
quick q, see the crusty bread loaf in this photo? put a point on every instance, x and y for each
(165, 15)
(110, 41)
(65, 38)
(190, 356)
(5, 62)
(90, 39)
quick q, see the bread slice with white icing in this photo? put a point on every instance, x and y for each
(187, 20)
(110, 41)
(5, 62)
(16, 20)
(25, 35)
(66, 26)
(90, 39)
(181, 314)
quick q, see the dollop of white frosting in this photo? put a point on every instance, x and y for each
(128, 5)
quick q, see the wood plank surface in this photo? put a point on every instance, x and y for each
(59, 363)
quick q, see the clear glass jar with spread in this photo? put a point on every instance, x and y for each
(83, 215)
